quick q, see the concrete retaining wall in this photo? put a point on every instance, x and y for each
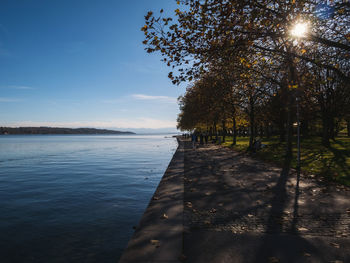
(159, 235)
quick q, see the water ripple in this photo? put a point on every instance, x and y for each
(75, 197)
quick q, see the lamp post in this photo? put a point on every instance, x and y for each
(298, 135)
(299, 30)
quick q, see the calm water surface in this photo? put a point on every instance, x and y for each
(75, 198)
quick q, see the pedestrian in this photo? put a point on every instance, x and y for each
(193, 139)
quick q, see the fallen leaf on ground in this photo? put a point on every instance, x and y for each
(336, 245)
(306, 254)
(221, 204)
(155, 198)
(164, 216)
(207, 193)
(302, 229)
(207, 222)
(189, 204)
(213, 210)
(155, 242)
(250, 215)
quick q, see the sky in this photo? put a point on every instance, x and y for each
(81, 63)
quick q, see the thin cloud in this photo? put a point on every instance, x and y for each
(3, 99)
(21, 87)
(138, 123)
(154, 98)
(112, 101)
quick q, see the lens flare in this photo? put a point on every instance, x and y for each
(299, 29)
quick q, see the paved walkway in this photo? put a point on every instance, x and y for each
(216, 205)
(238, 209)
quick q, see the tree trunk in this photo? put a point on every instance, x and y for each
(267, 130)
(289, 135)
(281, 125)
(325, 122)
(337, 128)
(215, 132)
(252, 124)
(261, 130)
(223, 130)
(282, 131)
(234, 139)
(331, 128)
(304, 125)
(325, 131)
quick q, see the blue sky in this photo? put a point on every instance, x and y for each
(81, 63)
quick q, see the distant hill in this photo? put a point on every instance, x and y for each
(53, 130)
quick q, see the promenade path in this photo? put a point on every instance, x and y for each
(238, 209)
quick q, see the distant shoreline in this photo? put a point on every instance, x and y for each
(58, 131)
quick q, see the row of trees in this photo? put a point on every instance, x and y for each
(248, 69)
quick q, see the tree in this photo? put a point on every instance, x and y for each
(243, 52)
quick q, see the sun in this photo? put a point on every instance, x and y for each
(300, 29)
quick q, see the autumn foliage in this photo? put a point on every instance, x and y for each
(247, 70)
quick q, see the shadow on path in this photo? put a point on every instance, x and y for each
(277, 245)
(238, 209)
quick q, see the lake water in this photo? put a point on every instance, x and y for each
(75, 198)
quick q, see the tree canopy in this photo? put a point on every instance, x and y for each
(246, 61)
